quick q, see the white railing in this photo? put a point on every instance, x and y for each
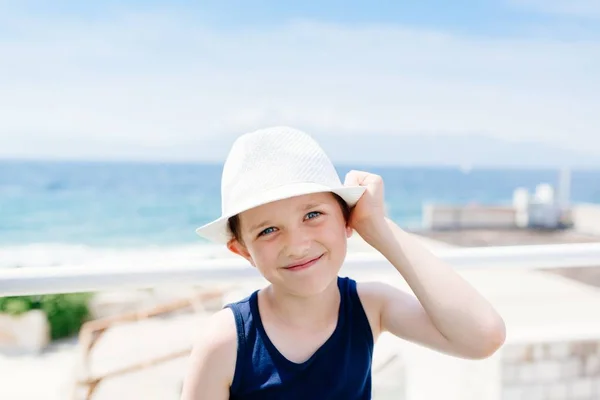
(32, 281)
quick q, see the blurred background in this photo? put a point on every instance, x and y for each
(115, 118)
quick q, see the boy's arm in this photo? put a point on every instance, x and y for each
(212, 361)
(448, 314)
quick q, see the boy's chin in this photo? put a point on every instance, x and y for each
(312, 285)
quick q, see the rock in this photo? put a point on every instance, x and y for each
(25, 333)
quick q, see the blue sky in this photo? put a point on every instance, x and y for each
(499, 18)
(149, 79)
(469, 17)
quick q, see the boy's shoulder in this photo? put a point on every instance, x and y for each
(373, 296)
(219, 332)
(213, 358)
(216, 341)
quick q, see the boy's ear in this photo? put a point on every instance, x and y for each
(349, 231)
(238, 248)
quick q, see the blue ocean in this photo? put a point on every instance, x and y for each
(123, 206)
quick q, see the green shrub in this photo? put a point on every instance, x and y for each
(65, 312)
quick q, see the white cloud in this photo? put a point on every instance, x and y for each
(148, 84)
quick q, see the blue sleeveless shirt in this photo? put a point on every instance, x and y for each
(339, 369)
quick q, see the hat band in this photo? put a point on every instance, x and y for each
(274, 194)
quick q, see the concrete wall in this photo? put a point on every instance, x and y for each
(586, 218)
(551, 371)
(468, 217)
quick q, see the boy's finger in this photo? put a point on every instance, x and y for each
(355, 177)
(361, 178)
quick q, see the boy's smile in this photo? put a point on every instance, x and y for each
(304, 264)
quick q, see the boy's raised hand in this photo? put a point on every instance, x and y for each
(369, 212)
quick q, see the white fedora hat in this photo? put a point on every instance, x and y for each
(269, 165)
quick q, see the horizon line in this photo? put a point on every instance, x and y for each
(465, 168)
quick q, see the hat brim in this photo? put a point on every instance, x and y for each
(218, 231)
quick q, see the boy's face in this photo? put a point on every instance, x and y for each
(298, 244)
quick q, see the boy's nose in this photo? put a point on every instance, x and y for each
(297, 246)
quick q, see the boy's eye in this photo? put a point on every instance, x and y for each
(312, 214)
(266, 231)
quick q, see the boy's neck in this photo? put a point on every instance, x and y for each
(297, 311)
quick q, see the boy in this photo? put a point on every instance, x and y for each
(310, 334)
